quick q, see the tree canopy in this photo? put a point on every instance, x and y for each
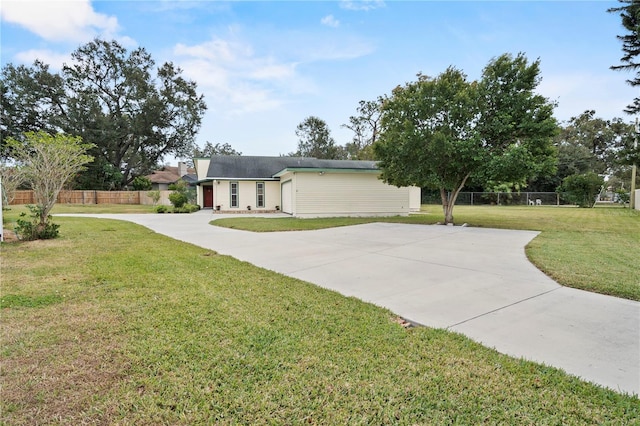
(315, 140)
(583, 189)
(630, 16)
(365, 127)
(111, 99)
(444, 132)
(587, 143)
(33, 99)
(210, 149)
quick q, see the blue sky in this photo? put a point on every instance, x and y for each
(264, 66)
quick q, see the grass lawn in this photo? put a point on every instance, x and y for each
(591, 249)
(114, 324)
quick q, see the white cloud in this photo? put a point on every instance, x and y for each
(330, 21)
(170, 6)
(361, 4)
(581, 91)
(54, 59)
(236, 80)
(333, 48)
(59, 20)
(273, 71)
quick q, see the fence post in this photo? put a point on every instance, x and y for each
(472, 198)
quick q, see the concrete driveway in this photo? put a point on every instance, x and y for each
(474, 281)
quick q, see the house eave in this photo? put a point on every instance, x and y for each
(239, 179)
(323, 170)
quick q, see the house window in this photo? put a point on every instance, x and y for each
(260, 194)
(234, 194)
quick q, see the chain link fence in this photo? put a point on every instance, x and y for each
(500, 198)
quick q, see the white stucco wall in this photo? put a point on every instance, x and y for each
(272, 199)
(202, 166)
(247, 195)
(637, 199)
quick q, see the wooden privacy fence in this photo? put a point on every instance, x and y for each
(96, 197)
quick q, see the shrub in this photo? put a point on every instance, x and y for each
(162, 209)
(178, 199)
(181, 193)
(583, 189)
(623, 197)
(187, 208)
(141, 183)
(33, 229)
(192, 195)
(183, 187)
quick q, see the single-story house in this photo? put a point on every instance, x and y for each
(301, 187)
(167, 175)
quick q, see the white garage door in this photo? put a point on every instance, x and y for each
(285, 190)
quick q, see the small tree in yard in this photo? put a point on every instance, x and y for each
(154, 195)
(442, 133)
(47, 162)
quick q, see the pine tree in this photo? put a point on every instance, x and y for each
(630, 14)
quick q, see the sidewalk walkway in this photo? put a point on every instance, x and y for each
(474, 281)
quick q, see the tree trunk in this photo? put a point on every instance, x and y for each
(449, 200)
(447, 206)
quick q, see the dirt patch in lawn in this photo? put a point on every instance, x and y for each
(60, 368)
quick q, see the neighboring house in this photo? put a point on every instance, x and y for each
(301, 187)
(167, 175)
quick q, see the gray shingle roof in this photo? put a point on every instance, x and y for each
(167, 174)
(256, 167)
(190, 178)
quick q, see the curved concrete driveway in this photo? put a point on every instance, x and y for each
(470, 280)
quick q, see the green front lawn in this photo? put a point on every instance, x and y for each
(591, 249)
(115, 324)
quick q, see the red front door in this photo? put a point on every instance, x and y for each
(208, 196)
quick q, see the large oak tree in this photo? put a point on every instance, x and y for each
(444, 132)
(33, 99)
(134, 113)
